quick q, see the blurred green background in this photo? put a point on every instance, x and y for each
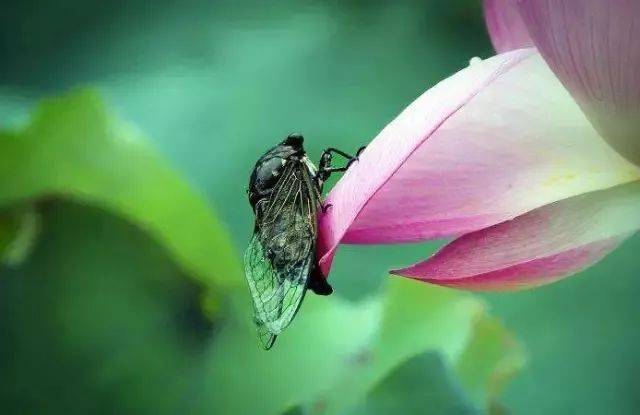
(108, 307)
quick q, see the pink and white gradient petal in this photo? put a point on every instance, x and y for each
(539, 247)
(506, 28)
(593, 46)
(493, 141)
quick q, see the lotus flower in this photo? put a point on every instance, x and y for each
(529, 160)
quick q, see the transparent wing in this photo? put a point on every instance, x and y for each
(266, 338)
(281, 252)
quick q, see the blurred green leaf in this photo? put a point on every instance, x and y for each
(343, 347)
(317, 350)
(73, 148)
(18, 230)
(119, 331)
(492, 357)
(423, 384)
(9, 227)
(97, 320)
(426, 383)
(118, 324)
(417, 318)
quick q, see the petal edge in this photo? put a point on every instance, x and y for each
(539, 247)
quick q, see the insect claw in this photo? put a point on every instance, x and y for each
(356, 157)
(326, 207)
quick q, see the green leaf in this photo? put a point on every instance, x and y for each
(9, 228)
(98, 320)
(117, 322)
(73, 148)
(427, 383)
(492, 357)
(417, 318)
(318, 349)
(335, 346)
(423, 384)
(18, 230)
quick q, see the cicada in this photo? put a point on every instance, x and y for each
(285, 192)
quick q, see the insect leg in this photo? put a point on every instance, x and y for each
(325, 159)
(356, 157)
(330, 170)
(325, 169)
(340, 152)
(324, 174)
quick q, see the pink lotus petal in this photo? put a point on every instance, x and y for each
(506, 28)
(495, 140)
(539, 247)
(593, 46)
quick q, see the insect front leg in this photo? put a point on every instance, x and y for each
(324, 166)
(325, 169)
(350, 158)
(340, 152)
(330, 170)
